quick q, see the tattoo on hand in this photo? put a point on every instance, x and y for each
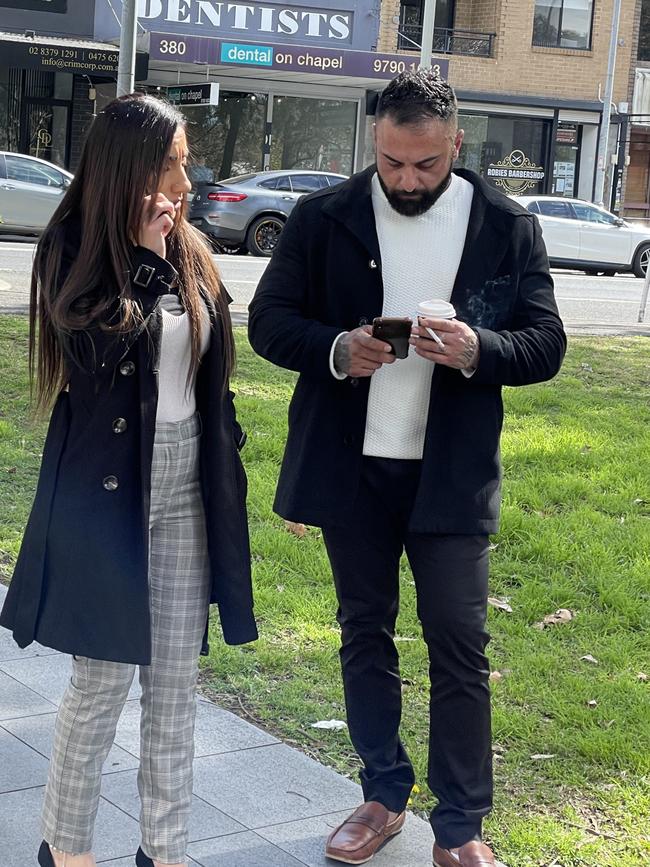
(469, 355)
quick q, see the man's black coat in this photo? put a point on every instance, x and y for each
(81, 580)
(325, 277)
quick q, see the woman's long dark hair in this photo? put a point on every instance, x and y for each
(123, 160)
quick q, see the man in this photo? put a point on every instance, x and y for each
(390, 455)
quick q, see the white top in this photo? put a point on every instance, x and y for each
(175, 400)
(420, 258)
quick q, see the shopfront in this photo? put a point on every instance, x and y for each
(51, 69)
(530, 150)
(293, 78)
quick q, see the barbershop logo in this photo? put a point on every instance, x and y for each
(515, 173)
(251, 18)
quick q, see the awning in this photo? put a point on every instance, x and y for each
(63, 54)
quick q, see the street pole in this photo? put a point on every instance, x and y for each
(128, 31)
(601, 162)
(644, 294)
(426, 49)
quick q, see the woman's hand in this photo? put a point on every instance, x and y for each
(156, 223)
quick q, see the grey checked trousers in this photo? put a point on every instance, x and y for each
(95, 697)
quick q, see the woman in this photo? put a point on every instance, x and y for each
(139, 519)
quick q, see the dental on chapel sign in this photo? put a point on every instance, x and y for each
(345, 23)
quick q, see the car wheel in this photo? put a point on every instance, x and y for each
(264, 234)
(641, 260)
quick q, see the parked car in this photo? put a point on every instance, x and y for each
(30, 191)
(249, 212)
(584, 237)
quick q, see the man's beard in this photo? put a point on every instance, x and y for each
(414, 204)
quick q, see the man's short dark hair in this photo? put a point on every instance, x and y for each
(416, 97)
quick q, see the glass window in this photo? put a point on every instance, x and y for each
(307, 183)
(550, 208)
(228, 139)
(593, 215)
(271, 184)
(284, 184)
(31, 172)
(316, 134)
(563, 23)
(533, 207)
(495, 145)
(644, 31)
(334, 180)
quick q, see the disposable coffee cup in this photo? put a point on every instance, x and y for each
(435, 309)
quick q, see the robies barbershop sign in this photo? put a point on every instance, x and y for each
(302, 23)
(37, 5)
(515, 173)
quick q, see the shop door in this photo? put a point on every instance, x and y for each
(44, 130)
(565, 165)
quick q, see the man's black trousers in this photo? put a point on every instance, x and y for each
(451, 580)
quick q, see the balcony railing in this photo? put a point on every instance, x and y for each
(447, 41)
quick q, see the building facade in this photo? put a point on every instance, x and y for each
(530, 76)
(636, 139)
(298, 81)
(50, 69)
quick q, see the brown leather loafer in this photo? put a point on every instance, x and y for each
(472, 854)
(357, 839)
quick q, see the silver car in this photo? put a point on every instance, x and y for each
(30, 191)
(249, 212)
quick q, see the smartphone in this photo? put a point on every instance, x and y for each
(394, 330)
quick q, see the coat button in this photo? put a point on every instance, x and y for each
(348, 440)
(354, 382)
(119, 425)
(127, 368)
(363, 321)
(110, 483)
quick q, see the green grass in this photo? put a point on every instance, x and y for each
(575, 534)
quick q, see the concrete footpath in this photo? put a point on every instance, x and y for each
(257, 802)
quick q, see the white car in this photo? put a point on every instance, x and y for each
(31, 190)
(584, 237)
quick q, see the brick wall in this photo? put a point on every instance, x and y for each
(480, 15)
(518, 67)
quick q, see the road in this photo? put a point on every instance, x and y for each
(597, 305)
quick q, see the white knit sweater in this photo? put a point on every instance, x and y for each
(420, 258)
(175, 400)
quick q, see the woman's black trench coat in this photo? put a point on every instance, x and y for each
(81, 580)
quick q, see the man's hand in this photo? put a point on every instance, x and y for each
(358, 353)
(459, 345)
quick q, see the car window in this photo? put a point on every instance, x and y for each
(593, 215)
(307, 183)
(270, 184)
(533, 207)
(333, 180)
(30, 172)
(284, 183)
(550, 208)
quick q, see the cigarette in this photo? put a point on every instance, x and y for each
(433, 334)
